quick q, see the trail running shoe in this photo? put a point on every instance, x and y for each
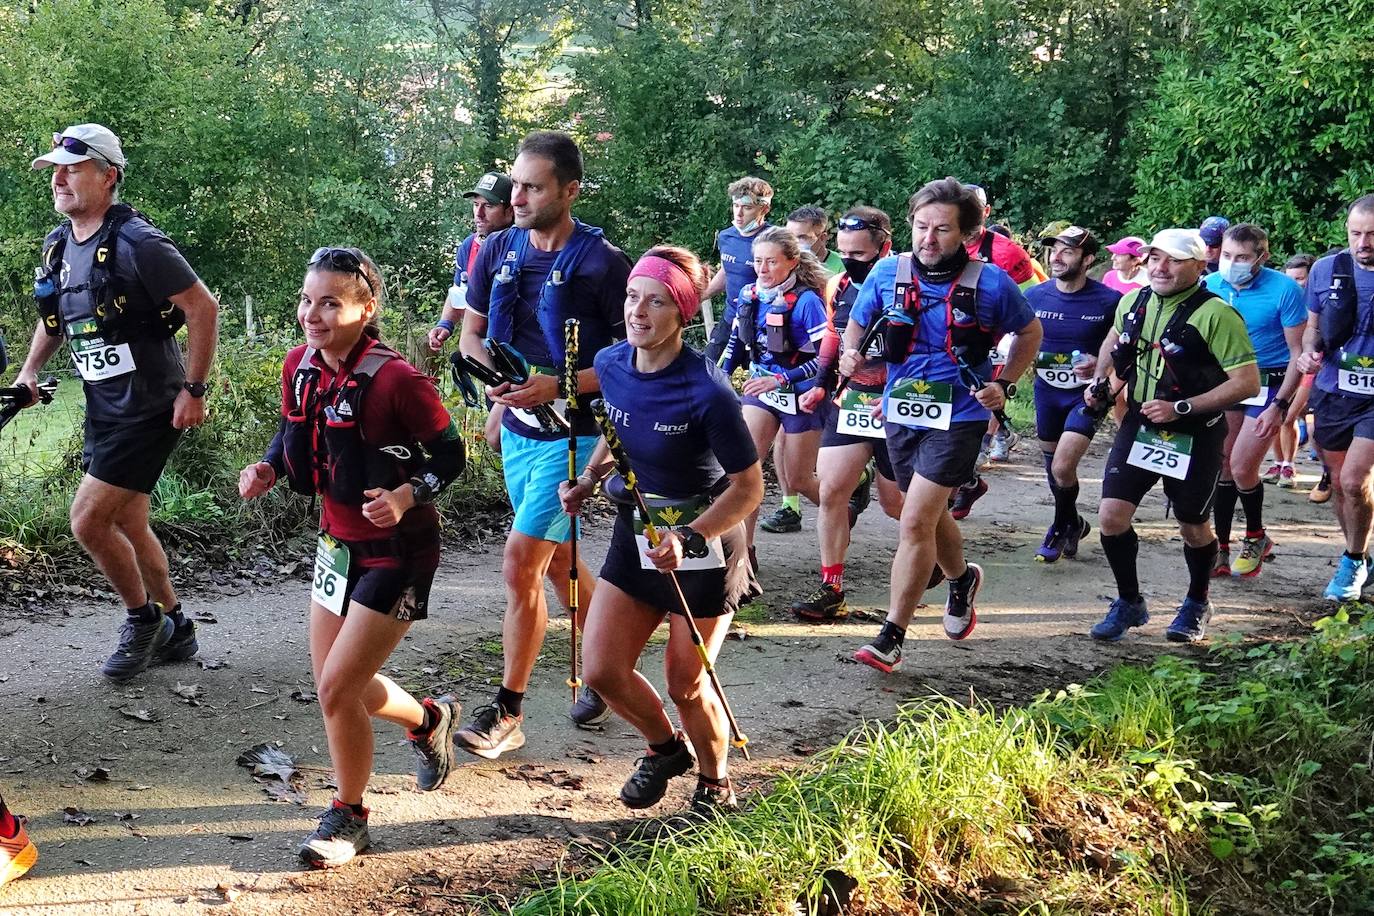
(1286, 477)
(712, 801)
(826, 603)
(937, 575)
(862, 495)
(883, 653)
(1272, 473)
(17, 854)
(434, 750)
(648, 783)
(139, 641)
(1003, 441)
(490, 734)
(589, 710)
(181, 646)
(1252, 556)
(1321, 491)
(1221, 566)
(1349, 579)
(1191, 623)
(965, 496)
(1075, 536)
(1052, 548)
(961, 616)
(340, 836)
(785, 520)
(1121, 616)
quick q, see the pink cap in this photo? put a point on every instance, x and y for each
(1131, 245)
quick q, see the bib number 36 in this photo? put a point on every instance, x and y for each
(331, 574)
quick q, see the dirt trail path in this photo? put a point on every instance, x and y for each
(178, 819)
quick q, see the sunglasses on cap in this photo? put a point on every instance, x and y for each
(343, 261)
(75, 147)
(855, 223)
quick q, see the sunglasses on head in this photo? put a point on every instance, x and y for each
(343, 261)
(854, 223)
(75, 147)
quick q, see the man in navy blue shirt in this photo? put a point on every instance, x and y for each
(751, 199)
(491, 212)
(1076, 313)
(943, 312)
(1342, 284)
(527, 281)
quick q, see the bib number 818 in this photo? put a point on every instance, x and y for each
(1360, 380)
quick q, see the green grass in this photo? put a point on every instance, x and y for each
(1235, 781)
(39, 439)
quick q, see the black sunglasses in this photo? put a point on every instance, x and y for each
(854, 223)
(343, 261)
(76, 147)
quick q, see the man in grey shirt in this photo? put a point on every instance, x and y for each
(115, 290)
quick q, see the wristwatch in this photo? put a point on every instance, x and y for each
(693, 543)
(1182, 408)
(194, 389)
(1282, 405)
(1008, 388)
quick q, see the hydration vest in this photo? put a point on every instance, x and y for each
(323, 446)
(1340, 314)
(115, 322)
(1190, 368)
(778, 322)
(964, 335)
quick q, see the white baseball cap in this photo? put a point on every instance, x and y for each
(1184, 244)
(81, 142)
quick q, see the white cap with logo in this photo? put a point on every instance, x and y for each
(1184, 244)
(81, 142)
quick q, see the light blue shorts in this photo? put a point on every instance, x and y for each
(533, 469)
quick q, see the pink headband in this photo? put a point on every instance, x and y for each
(675, 278)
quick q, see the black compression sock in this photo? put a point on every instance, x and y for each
(672, 746)
(1224, 510)
(1252, 502)
(510, 702)
(177, 616)
(721, 783)
(1048, 458)
(145, 614)
(1355, 555)
(359, 810)
(1121, 550)
(1066, 509)
(1199, 560)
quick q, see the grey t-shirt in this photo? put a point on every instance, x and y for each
(149, 269)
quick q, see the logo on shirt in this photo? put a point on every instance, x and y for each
(960, 317)
(618, 417)
(670, 428)
(399, 452)
(728, 258)
(344, 409)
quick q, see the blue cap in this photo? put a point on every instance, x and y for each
(1212, 229)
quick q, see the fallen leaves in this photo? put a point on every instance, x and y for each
(92, 774)
(275, 771)
(73, 815)
(531, 773)
(191, 693)
(141, 715)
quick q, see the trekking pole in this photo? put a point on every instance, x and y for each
(622, 463)
(570, 345)
(870, 334)
(974, 381)
(15, 399)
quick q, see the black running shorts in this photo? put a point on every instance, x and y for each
(1340, 418)
(128, 455)
(393, 577)
(831, 438)
(945, 457)
(709, 592)
(1190, 497)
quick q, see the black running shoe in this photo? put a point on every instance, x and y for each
(966, 496)
(589, 710)
(826, 603)
(340, 836)
(784, 521)
(712, 801)
(139, 642)
(181, 646)
(883, 653)
(861, 497)
(1076, 533)
(434, 749)
(490, 733)
(961, 615)
(647, 784)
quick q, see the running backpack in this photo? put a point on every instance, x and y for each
(1336, 324)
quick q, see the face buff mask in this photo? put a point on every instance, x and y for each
(857, 270)
(1236, 273)
(747, 200)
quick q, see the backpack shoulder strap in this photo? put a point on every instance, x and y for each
(985, 245)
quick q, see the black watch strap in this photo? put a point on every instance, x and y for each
(195, 389)
(693, 543)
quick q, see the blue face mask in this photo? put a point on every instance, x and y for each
(1237, 273)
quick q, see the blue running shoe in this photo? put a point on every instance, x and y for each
(1349, 579)
(1121, 616)
(1191, 623)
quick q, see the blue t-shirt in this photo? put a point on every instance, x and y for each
(1001, 307)
(1073, 321)
(597, 292)
(1362, 343)
(682, 426)
(806, 325)
(737, 260)
(461, 256)
(1271, 302)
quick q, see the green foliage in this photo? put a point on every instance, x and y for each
(1263, 115)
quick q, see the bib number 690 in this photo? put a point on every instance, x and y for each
(921, 410)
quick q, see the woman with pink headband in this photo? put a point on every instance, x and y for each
(683, 430)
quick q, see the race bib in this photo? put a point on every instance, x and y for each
(1356, 374)
(856, 415)
(1056, 370)
(1161, 451)
(678, 515)
(921, 404)
(1262, 399)
(783, 400)
(331, 574)
(96, 359)
(559, 405)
